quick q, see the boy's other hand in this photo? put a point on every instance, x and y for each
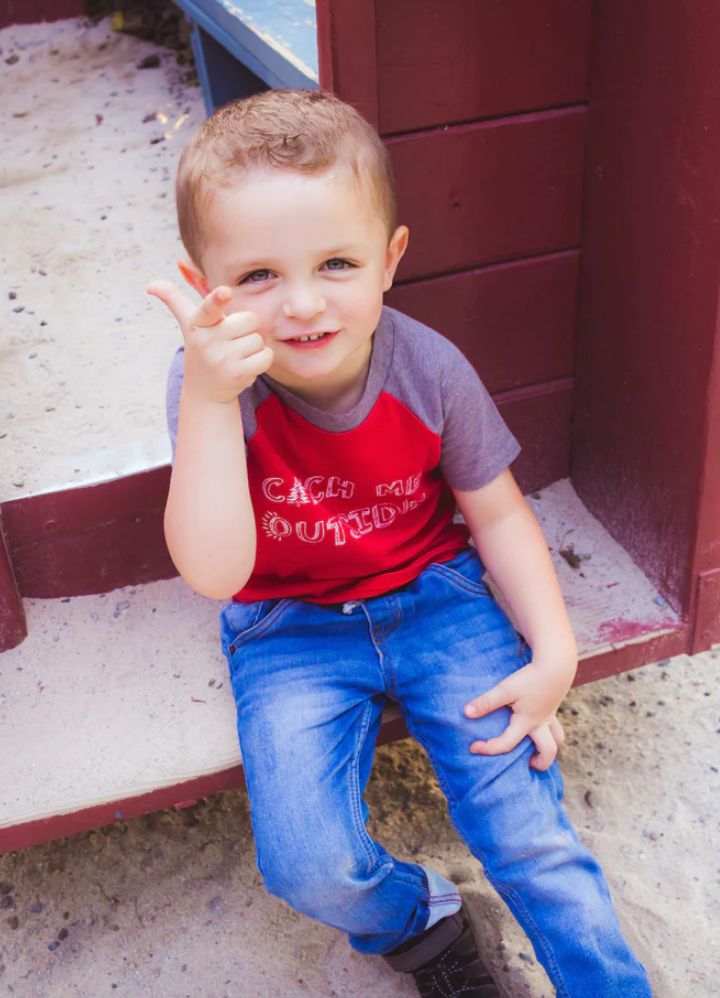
(224, 354)
(533, 693)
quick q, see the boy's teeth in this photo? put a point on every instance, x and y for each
(306, 339)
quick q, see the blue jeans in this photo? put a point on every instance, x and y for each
(310, 683)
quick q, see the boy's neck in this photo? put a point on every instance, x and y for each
(333, 398)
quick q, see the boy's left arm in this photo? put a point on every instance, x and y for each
(514, 551)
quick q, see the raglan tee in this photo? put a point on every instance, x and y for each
(352, 505)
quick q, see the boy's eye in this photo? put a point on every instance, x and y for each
(337, 264)
(256, 277)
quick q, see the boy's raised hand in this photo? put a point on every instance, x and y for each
(224, 354)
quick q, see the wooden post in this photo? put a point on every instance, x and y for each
(13, 626)
(650, 282)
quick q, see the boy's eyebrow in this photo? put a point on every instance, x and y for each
(268, 262)
(247, 265)
(342, 251)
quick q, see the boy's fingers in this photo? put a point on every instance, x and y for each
(212, 308)
(511, 736)
(558, 732)
(179, 304)
(498, 696)
(240, 324)
(257, 363)
(546, 748)
(242, 346)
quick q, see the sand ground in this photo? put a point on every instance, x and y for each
(171, 905)
(88, 148)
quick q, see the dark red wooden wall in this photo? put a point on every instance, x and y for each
(31, 11)
(483, 109)
(646, 442)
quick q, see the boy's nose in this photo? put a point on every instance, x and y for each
(303, 305)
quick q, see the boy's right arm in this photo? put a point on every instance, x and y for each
(209, 521)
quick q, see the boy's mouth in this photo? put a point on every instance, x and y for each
(311, 340)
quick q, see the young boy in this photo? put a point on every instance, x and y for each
(323, 504)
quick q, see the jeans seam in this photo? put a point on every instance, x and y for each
(502, 891)
(382, 654)
(388, 634)
(505, 892)
(361, 734)
(257, 631)
(404, 878)
(387, 657)
(390, 630)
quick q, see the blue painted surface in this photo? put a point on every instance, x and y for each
(223, 76)
(275, 39)
(289, 22)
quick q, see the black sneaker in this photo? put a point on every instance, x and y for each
(444, 962)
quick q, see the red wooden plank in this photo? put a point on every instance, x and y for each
(13, 626)
(499, 190)
(34, 11)
(90, 540)
(650, 284)
(20, 12)
(514, 322)
(65, 512)
(125, 552)
(631, 656)
(56, 10)
(540, 419)
(347, 53)
(462, 60)
(323, 20)
(706, 561)
(707, 611)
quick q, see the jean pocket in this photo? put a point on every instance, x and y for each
(242, 622)
(464, 572)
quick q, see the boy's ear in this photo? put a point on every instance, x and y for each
(194, 276)
(396, 249)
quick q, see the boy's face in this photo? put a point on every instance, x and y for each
(310, 256)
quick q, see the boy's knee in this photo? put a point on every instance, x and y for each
(326, 887)
(305, 889)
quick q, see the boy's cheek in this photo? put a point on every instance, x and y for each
(365, 303)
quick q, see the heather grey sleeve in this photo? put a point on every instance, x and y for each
(434, 379)
(476, 443)
(172, 396)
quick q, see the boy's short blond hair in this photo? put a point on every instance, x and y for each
(307, 131)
